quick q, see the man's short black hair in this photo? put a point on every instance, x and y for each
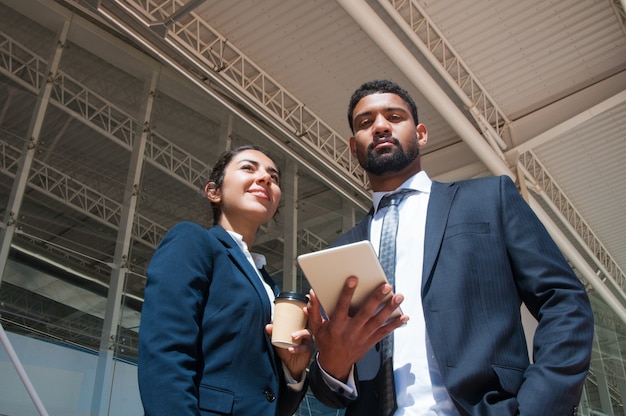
(378, 87)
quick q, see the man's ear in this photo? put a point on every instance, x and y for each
(353, 147)
(212, 193)
(422, 134)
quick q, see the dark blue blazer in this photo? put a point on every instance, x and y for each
(485, 253)
(203, 349)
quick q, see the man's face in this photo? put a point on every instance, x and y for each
(386, 139)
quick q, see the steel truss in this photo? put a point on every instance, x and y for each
(212, 52)
(439, 51)
(28, 70)
(545, 183)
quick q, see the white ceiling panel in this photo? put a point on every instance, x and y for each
(531, 53)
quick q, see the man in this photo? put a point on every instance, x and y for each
(467, 255)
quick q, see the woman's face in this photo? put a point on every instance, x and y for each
(250, 190)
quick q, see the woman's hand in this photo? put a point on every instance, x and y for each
(296, 358)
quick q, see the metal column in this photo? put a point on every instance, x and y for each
(289, 185)
(108, 342)
(597, 366)
(34, 130)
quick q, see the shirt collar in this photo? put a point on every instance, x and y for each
(258, 258)
(420, 182)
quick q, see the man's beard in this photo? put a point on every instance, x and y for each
(394, 161)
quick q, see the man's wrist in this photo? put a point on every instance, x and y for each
(346, 389)
(340, 373)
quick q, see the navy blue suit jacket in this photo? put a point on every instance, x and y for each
(203, 349)
(485, 253)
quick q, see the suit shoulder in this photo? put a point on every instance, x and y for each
(484, 182)
(188, 228)
(185, 233)
(357, 233)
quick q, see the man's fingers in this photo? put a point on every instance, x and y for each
(313, 311)
(345, 297)
(378, 322)
(373, 303)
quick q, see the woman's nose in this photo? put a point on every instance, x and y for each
(263, 176)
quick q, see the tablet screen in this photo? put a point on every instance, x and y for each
(327, 270)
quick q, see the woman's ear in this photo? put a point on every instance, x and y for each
(212, 193)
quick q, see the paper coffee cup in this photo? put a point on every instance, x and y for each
(288, 318)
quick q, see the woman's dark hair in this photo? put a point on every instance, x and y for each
(380, 87)
(217, 173)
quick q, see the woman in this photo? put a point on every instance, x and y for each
(204, 344)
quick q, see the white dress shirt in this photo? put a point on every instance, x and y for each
(258, 261)
(419, 389)
(415, 369)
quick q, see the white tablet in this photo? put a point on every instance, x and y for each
(327, 271)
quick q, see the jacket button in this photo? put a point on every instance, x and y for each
(270, 396)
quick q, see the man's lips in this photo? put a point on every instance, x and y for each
(383, 143)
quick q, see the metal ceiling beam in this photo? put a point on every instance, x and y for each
(66, 189)
(410, 16)
(88, 201)
(424, 34)
(441, 54)
(382, 35)
(579, 263)
(87, 106)
(98, 113)
(569, 124)
(549, 190)
(113, 123)
(217, 60)
(620, 10)
(163, 26)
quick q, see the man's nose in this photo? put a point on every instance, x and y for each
(381, 125)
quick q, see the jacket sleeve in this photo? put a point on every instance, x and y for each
(323, 392)
(555, 296)
(177, 281)
(289, 399)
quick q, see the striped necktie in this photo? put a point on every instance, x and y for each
(387, 257)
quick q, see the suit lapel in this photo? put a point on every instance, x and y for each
(439, 205)
(240, 261)
(362, 230)
(268, 279)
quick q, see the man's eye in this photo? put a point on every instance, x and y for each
(364, 123)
